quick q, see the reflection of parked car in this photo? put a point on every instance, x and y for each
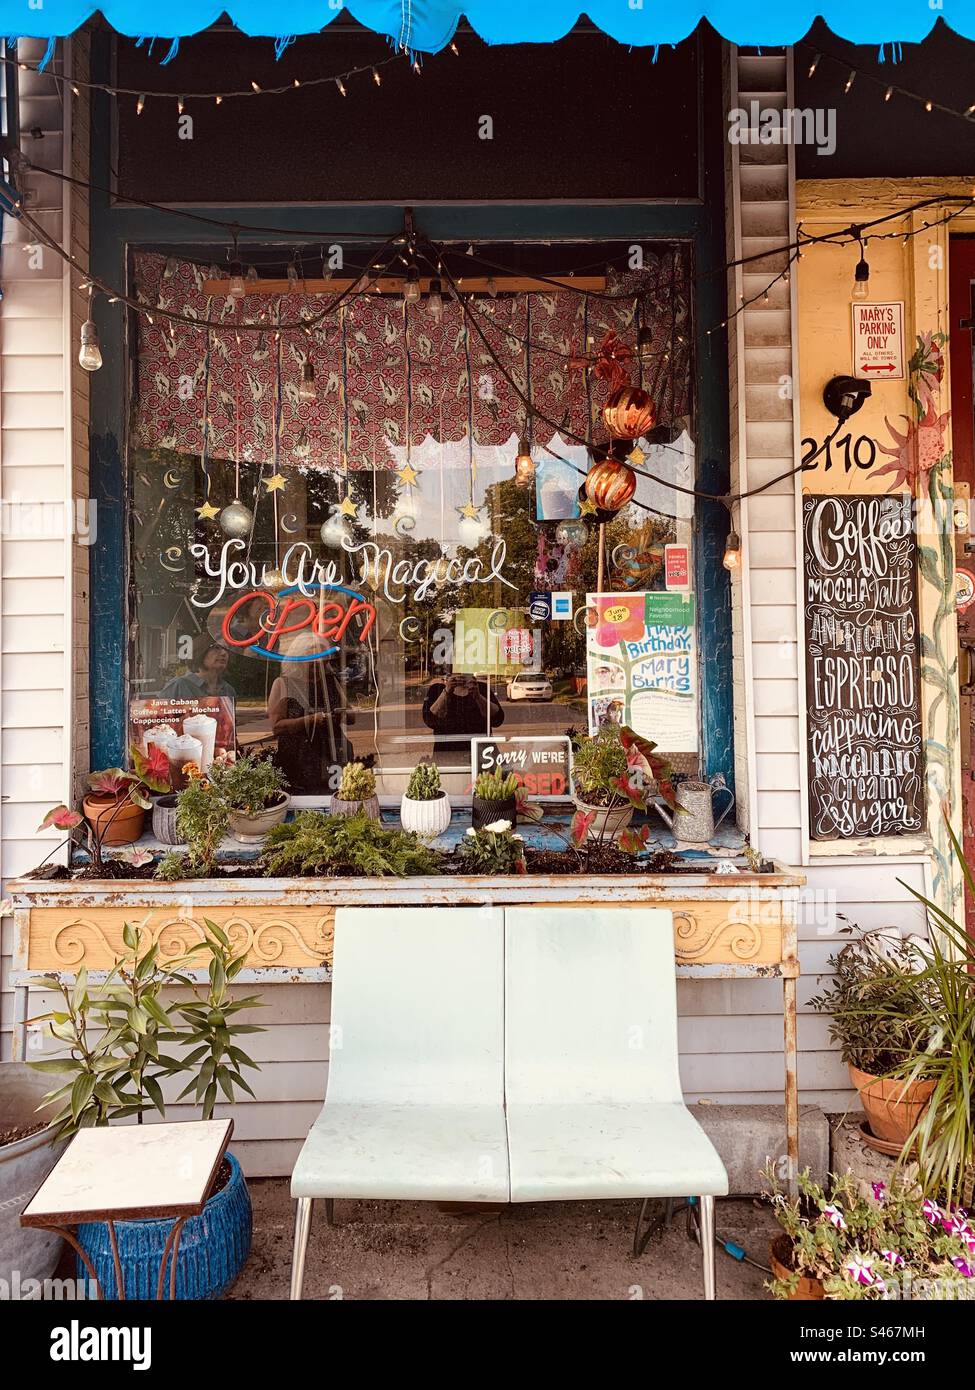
(529, 685)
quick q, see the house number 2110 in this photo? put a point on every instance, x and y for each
(857, 453)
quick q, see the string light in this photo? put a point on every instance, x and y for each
(256, 88)
(732, 552)
(435, 299)
(849, 81)
(219, 100)
(454, 49)
(90, 355)
(341, 86)
(813, 66)
(376, 77)
(237, 289)
(140, 105)
(306, 391)
(180, 105)
(411, 289)
(888, 94)
(524, 463)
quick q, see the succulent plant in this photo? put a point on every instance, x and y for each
(424, 783)
(496, 786)
(358, 783)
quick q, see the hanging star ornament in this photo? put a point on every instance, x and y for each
(408, 475)
(275, 483)
(469, 512)
(586, 507)
(636, 456)
(208, 511)
(347, 507)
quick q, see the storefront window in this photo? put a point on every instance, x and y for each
(328, 529)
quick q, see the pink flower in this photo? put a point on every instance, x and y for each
(860, 1269)
(834, 1216)
(964, 1266)
(879, 1192)
(931, 1211)
(957, 1225)
(892, 1258)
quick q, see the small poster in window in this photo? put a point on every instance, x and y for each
(556, 490)
(194, 733)
(642, 665)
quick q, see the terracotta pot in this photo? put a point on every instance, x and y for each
(428, 819)
(487, 812)
(249, 830)
(352, 808)
(164, 820)
(892, 1107)
(780, 1252)
(611, 819)
(126, 826)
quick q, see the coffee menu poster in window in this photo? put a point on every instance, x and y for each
(194, 733)
(866, 767)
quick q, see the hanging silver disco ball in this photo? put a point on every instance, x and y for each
(236, 520)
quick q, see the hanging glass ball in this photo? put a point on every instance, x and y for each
(236, 520)
(629, 413)
(610, 484)
(441, 570)
(274, 581)
(334, 531)
(572, 533)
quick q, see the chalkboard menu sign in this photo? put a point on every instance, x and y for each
(866, 770)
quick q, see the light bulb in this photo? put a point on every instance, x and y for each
(90, 356)
(252, 275)
(411, 290)
(861, 280)
(524, 463)
(435, 299)
(237, 287)
(306, 391)
(732, 552)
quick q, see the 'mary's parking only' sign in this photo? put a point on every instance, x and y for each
(878, 341)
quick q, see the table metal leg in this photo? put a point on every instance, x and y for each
(791, 1084)
(170, 1250)
(82, 1254)
(119, 1281)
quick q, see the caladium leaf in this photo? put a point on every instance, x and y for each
(579, 829)
(633, 792)
(634, 841)
(152, 768)
(112, 781)
(62, 817)
(527, 810)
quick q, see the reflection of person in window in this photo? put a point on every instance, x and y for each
(306, 711)
(458, 709)
(206, 678)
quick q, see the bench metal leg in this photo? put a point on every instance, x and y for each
(707, 1244)
(330, 1211)
(302, 1230)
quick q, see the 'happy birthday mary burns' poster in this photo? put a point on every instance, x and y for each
(642, 666)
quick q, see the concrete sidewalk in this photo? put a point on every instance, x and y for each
(558, 1250)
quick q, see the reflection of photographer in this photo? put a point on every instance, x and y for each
(458, 709)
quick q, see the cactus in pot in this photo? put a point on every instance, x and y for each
(357, 792)
(425, 808)
(495, 798)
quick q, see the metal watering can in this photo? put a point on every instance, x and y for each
(693, 822)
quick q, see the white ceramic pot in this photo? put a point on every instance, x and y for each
(428, 819)
(249, 830)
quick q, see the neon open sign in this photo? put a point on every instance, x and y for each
(293, 610)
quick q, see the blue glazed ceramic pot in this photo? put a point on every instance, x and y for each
(212, 1247)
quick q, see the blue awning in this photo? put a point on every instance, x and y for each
(428, 25)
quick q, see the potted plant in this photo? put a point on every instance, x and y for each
(253, 789)
(356, 793)
(202, 822)
(29, 1149)
(841, 1244)
(495, 798)
(116, 1034)
(493, 849)
(873, 999)
(615, 772)
(113, 811)
(425, 808)
(345, 846)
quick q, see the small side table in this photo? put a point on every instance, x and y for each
(131, 1173)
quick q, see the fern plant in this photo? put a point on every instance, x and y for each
(424, 783)
(345, 846)
(358, 783)
(496, 786)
